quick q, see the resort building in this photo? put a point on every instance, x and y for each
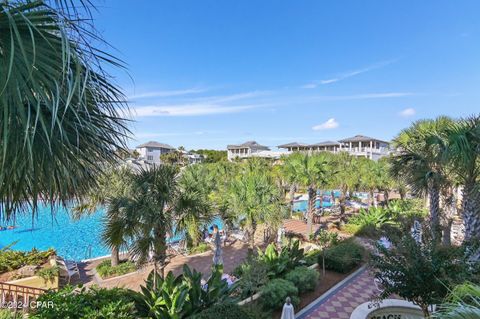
(251, 149)
(369, 147)
(151, 151)
(359, 145)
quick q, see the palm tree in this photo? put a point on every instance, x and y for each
(60, 118)
(145, 217)
(421, 163)
(114, 184)
(255, 197)
(463, 145)
(311, 172)
(288, 172)
(194, 205)
(346, 178)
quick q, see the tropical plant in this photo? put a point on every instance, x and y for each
(254, 274)
(369, 222)
(15, 259)
(48, 274)
(255, 198)
(346, 178)
(463, 302)
(422, 273)
(60, 118)
(114, 184)
(182, 296)
(421, 163)
(463, 144)
(193, 203)
(145, 216)
(304, 278)
(83, 303)
(225, 311)
(281, 261)
(312, 172)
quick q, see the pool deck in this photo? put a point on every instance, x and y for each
(340, 301)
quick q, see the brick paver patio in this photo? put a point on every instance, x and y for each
(340, 302)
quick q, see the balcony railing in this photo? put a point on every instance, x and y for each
(18, 297)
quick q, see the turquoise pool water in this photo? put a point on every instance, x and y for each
(301, 205)
(71, 239)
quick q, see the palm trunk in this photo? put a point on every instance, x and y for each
(252, 236)
(115, 259)
(291, 195)
(311, 209)
(471, 212)
(342, 201)
(386, 197)
(434, 194)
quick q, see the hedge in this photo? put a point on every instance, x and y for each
(343, 257)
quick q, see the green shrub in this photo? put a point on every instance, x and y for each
(105, 269)
(48, 273)
(343, 257)
(369, 222)
(224, 311)
(6, 314)
(201, 248)
(283, 260)
(276, 291)
(94, 303)
(12, 259)
(304, 278)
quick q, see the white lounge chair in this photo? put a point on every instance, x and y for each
(69, 268)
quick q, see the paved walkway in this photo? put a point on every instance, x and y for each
(341, 300)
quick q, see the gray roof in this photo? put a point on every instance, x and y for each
(249, 144)
(153, 144)
(293, 144)
(361, 138)
(327, 143)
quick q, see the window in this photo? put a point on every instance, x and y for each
(150, 158)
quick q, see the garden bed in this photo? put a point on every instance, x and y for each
(330, 279)
(106, 271)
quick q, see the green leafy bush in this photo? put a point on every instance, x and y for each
(369, 222)
(105, 269)
(48, 273)
(343, 257)
(94, 303)
(304, 278)
(276, 291)
(201, 248)
(181, 296)
(281, 261)
(225, 311)
(311, 257)
(12, 259)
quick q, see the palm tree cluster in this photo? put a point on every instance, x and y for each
(437, 158)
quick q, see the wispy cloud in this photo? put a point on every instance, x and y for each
(328, 125)
(141, 135)
(349, 74)
(169, 93)
(189, 110)
(363, 96)
(408, 112)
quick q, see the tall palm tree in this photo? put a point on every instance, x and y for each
(114, 184)
(60, 116)
(145, 217)
(421, 163)
(346, 168)
(463, 145)
(311, 172)
(194, 206)
(255, 197)
(288, 171)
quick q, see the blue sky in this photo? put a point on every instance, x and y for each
(204, 74)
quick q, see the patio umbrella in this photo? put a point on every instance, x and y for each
(217, 256)
(417, 231)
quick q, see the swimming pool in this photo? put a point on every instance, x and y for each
(71, 239)
(301, 205)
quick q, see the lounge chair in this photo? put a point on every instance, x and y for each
(68, 269)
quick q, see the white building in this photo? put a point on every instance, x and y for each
(359, 145)
(151, 151)
(244, 150)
